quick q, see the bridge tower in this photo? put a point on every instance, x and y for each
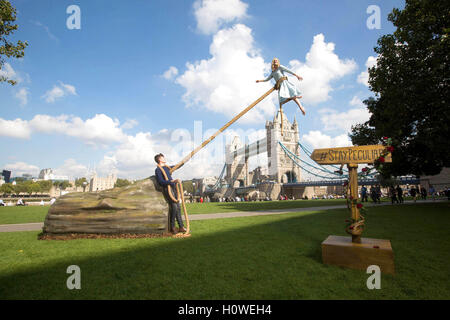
(236, 164)
(281, 168)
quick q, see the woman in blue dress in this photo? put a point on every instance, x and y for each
(287, 91)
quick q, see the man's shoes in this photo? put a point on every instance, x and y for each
(182, 229)
(174, 230)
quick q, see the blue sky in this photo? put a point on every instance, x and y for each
(138, 74)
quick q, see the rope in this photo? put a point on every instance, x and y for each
(180, 196)
(290, 154)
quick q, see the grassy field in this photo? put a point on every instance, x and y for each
(25, 214)
(29, 214)
(264, 257)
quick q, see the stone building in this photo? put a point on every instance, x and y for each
(99, 184)
(281, 168)
(47, 174)
(440, 181)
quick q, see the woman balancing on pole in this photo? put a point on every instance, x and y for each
(287, 91)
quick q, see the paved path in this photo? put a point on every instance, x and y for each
(38, 225)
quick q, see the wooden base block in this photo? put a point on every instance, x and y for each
(341, 251)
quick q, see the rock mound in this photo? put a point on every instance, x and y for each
(139, 208)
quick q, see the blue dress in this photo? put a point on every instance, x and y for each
(287, 90)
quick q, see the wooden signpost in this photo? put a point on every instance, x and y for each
(355, 252)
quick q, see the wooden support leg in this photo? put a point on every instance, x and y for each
(353, 183)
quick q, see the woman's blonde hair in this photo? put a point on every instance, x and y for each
(275, 61)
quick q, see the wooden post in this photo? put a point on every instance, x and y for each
(353, 184)
(355, 252)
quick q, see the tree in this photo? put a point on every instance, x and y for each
(122, 183)
(45, 185)
(22, 187)
(81, 182)
(7, 27)
(35, 188)
(188, 186)
(63, 185)
(7, 188)
(411, 86)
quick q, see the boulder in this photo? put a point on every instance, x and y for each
(134, 209)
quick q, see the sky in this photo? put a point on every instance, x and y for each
(106, 85)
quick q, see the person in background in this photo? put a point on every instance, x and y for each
(364, 194)
(393, 194)
(399, 193)
(378, 190)
(413, 193)
(2, 204)
(432, 192)
(423, 193)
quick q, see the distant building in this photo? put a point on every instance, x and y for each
(27, 176)
(439, 181)
(204, 184)
(2, 181)
(6, 174)
(47, 174)
(99, 184)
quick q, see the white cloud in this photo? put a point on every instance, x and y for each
(357, 102)
(99, 130)
(72, 169)
(333, 120)
(129, 123)
(47, 30)
(22, 96)
(17, 128)
(225, 83)
(363, 77)
(19, 168)
(212, 14)
(170, 73)
(319, 140)
(9, 73)
(322, 66)
(58, 92)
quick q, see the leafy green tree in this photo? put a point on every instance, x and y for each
(35, 188)
(188, 186)
(411, 86)
(81, 182)
(22, 187)
(45, 185)
(7, 27)
(122, 183)
(7, 188)
(63, 185)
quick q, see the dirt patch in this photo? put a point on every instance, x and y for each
(72, 236)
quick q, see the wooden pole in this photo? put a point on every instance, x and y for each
(353, 183)
(190, 155)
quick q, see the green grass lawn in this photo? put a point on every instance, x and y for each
(29, 214)
(218, 207)
(263, 257)
(26, 214)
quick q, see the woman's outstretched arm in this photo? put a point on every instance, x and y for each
(291, 72)
(267, 79)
